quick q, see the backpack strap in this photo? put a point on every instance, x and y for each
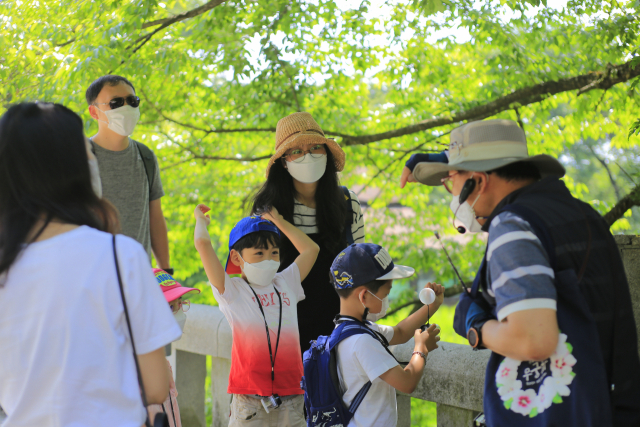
(345, 330)
(149, 164)
(349, 219)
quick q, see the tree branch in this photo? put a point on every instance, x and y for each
(186, 15)
(68, 42)
(234, 159)
(606, 166)
(521, 97)
(627, 202)
(212, 130)
(206, 157)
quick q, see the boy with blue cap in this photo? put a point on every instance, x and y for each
(266, 364)
(363, 275)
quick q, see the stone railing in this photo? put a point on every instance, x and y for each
(453, 378)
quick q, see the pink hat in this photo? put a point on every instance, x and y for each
(172, 290)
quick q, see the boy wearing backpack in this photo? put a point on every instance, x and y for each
(367, 373)
(260, 306)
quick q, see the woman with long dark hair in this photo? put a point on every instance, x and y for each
(303, 185)
(67, 356)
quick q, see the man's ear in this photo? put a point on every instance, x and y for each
(284, 162)
(235, 258)
(483, 182)
(93, 112)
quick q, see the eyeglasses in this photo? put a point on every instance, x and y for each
(448, 183)
(296, 155)
(118, 102)
(184, 305)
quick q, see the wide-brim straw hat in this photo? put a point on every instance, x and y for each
(299, 129)
(484, 146)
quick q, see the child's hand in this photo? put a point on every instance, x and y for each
(200, 212)
(272, 215)
(439, 291)
(427, 339)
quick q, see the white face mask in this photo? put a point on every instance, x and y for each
(465, 213)
(181, 318)
(374, 317)
(309, 170)
(94, 170)
(261, 273)
(122, 120)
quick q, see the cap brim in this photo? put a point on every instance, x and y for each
(398, 272)
(176, 293)
(431, 173)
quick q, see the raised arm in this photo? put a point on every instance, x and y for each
(404, 330)
(202, 241)
(307, 247)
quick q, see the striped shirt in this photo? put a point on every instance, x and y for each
(305, 218)
(518, 268)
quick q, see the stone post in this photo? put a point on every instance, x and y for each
(630, 251)
(220, 400)
(404, 410)
(452, 416)
(191, 370)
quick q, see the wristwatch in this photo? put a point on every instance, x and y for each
(474, 334)
(169, 271)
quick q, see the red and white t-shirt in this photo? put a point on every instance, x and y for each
(250, 362)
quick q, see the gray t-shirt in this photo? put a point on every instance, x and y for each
(125, 184)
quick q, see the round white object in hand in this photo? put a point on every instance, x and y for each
(427, 296)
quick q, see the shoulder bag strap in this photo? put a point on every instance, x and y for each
(133, 345)
(148, 162)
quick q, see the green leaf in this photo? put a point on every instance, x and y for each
(569, 347)
(557, 398)
(533, 412)
(508, 403)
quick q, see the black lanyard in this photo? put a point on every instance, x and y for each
(272, 356)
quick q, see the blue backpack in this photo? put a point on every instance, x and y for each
(322, 395)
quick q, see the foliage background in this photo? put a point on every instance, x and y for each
(215, 77)
(215, 85)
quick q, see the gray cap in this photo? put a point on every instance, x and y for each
(484, 146)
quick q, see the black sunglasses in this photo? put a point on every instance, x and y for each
(118, 102)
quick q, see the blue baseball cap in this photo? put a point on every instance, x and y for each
(248, 225)
(362, 263)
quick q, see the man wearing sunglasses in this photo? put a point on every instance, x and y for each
(550, 299)
(128, 169)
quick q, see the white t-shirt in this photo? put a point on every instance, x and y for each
(250, 361)
(66, 355)
(362, 358)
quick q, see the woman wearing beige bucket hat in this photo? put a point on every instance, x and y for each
(303, 184)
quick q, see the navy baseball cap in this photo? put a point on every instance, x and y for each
(362, 263)
(245, 226)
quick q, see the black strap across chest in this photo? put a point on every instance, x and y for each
(272, 355)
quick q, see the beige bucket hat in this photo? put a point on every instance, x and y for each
(484, 146)
(299, 129)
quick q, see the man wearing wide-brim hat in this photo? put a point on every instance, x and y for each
(550, 298)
